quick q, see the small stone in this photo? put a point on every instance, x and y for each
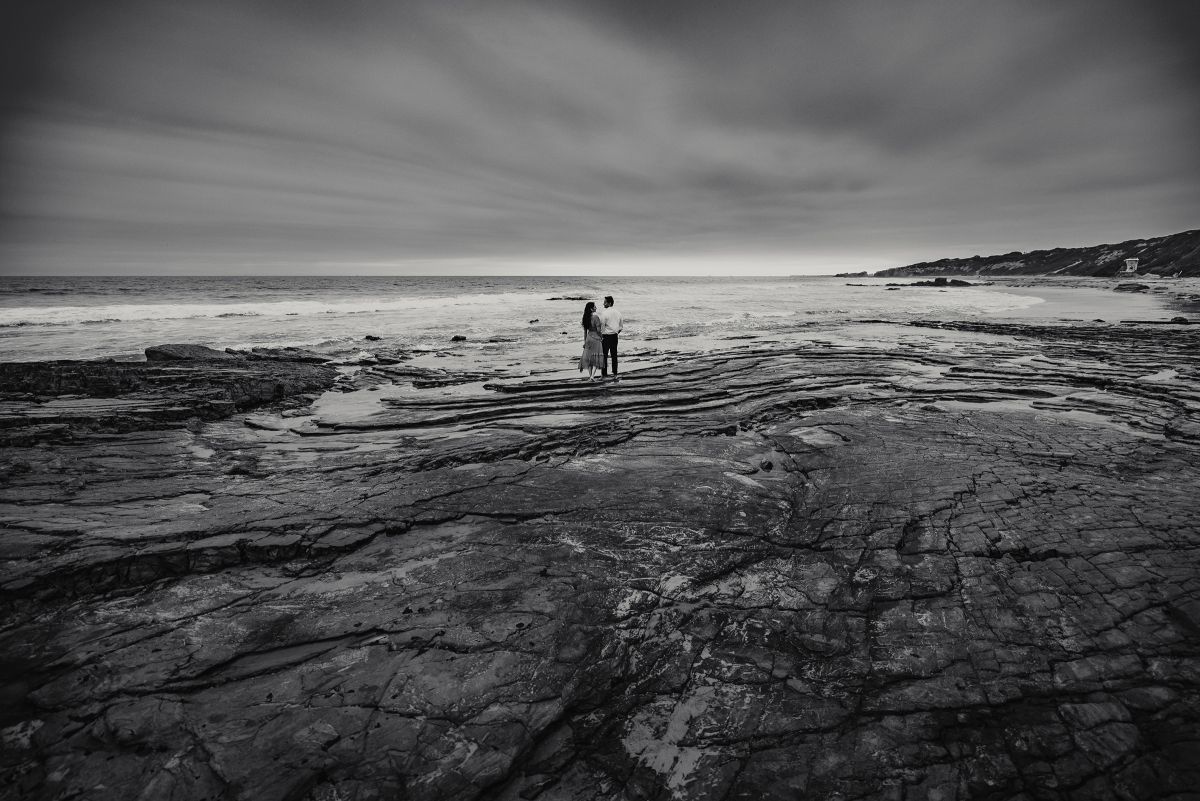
(458, 338)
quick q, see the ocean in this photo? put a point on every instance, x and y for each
(529, 323)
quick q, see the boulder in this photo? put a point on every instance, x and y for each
(1180, 320)
(1131, 287)
(458, 338)
(186, 353)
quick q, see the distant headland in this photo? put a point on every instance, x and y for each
(1175, 255)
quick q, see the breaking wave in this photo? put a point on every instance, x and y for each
(117, 313)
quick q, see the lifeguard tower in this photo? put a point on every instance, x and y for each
(1130, 267)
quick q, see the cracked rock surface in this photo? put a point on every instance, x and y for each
(961, 562)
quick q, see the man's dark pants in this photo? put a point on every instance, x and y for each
(608, 343)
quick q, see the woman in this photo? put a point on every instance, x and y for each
(593, 354)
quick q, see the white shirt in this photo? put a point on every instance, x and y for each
(611, 321)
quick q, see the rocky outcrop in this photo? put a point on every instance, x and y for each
(185, 353)
(1177, 254)
(940, 281)
(960, 566)
(53, 401)
(289, 354)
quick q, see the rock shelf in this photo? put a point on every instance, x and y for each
(963, 564)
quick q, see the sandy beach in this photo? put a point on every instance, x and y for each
(872, 560)
(1162, 297)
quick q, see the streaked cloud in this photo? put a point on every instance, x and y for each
(293, 136)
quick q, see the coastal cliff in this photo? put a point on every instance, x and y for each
(1176, 254)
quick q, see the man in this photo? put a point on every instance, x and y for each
(610, 325)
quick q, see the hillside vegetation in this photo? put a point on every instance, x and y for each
(1176, 254)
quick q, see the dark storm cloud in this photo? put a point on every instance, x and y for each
(146, 134)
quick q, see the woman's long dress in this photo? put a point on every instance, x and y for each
(593, 351)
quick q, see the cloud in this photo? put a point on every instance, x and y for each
(303, 133)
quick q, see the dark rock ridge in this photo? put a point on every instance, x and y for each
(282, 355)
(43, 401)
(940, 281)
(964, 565)
(184, 353)
(1176, 254)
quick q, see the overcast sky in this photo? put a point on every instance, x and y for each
(384, 136)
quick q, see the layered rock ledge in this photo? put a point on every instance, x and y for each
(935, 561)
(42, 401)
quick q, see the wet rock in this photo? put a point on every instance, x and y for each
(458, 338)
(391, 358)
(281, 354)
(174, 353)
(62, 400)
(967, 572)
(1180, 320)
(1131, 287)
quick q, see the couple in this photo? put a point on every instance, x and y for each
(600, 339)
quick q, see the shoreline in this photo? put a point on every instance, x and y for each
(539, 328)
(1181, 295)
